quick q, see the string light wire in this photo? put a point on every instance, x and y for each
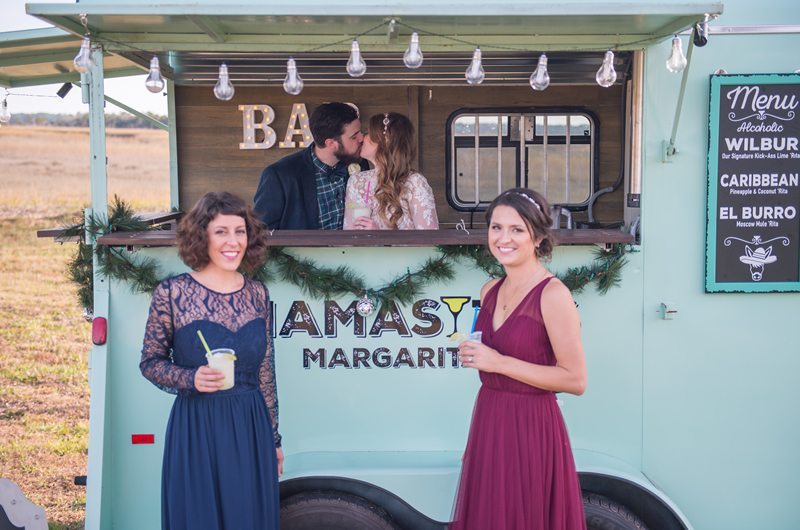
(381, 26)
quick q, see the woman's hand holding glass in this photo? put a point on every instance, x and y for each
(207, 379)
(474, 354)
(364, 223)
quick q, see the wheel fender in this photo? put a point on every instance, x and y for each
(401, 512)
(612, 478)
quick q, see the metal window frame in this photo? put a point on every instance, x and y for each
(451, 184)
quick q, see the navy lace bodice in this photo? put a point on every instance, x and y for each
(172, 351)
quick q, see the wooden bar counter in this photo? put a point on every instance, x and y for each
(372, 238)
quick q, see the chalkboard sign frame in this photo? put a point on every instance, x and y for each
(754, 251)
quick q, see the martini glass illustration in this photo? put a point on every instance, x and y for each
(455, 304)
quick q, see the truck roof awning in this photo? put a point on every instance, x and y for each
(299, 26)
(255, 39)
(44, 56)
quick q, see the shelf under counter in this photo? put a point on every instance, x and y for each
(372, 238)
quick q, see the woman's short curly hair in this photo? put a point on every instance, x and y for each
(193, 231)
(534, 210)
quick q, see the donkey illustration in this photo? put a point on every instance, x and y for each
(757, 259)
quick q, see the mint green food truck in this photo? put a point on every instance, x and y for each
(665, 135)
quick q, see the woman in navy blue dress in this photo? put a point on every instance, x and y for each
(222, 450)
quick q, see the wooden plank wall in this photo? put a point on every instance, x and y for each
(209, 131)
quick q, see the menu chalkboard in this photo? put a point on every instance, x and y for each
(753, 223)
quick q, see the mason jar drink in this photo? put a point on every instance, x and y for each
(223, 359)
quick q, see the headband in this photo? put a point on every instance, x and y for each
(529, 198)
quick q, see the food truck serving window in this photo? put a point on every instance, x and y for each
(550, 151)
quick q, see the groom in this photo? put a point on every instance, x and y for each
(305, 190)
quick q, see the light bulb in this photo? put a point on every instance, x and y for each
(223, 90)
(413, 56)
(677, 61)
(475, 74)
(5, 116)
(154, 81)
(83, 61)
(540, 79)
(293, 84)
(606, 75)
(356, 66)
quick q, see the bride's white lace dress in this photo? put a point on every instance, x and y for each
(416, 199)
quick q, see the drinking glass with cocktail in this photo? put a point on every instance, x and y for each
(222, 359)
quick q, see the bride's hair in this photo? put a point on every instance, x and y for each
(393, 133)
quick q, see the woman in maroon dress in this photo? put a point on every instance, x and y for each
(518, 472)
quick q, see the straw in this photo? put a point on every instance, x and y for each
(366, 194)
(203, 340)
(474, 319)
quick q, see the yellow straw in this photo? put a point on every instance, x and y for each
(203, 340)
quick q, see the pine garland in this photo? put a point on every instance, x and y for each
(479, 254)
(606, 271)
(329, 282)
(142, 274)
(316, 281)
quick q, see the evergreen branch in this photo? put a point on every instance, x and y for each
(314, 280)
(79, 270)
(407, 287)
(479, 254)
(319, 282)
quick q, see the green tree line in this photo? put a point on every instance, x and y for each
(122, 120)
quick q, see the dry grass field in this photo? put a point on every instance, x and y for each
(44, 340)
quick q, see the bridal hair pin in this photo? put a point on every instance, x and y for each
(530, 199)
(385, 122)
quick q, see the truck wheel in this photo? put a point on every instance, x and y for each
(604, 514)
(332, 511)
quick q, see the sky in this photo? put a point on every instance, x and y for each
(128, 90)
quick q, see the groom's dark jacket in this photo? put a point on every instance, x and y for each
(286, 197)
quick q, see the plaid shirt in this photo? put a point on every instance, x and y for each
(331, 183)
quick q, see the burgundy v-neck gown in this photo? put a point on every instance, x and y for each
(518, 471)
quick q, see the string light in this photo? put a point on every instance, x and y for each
(676, 61)
(475, 74)
(154, 81)
(223, 90)
(606, 75)
(293, 84)
(412, 58)
(83, 61)
(540, 79)
(356, 66)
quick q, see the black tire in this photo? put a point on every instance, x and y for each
(332, 511)
(604, 514)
